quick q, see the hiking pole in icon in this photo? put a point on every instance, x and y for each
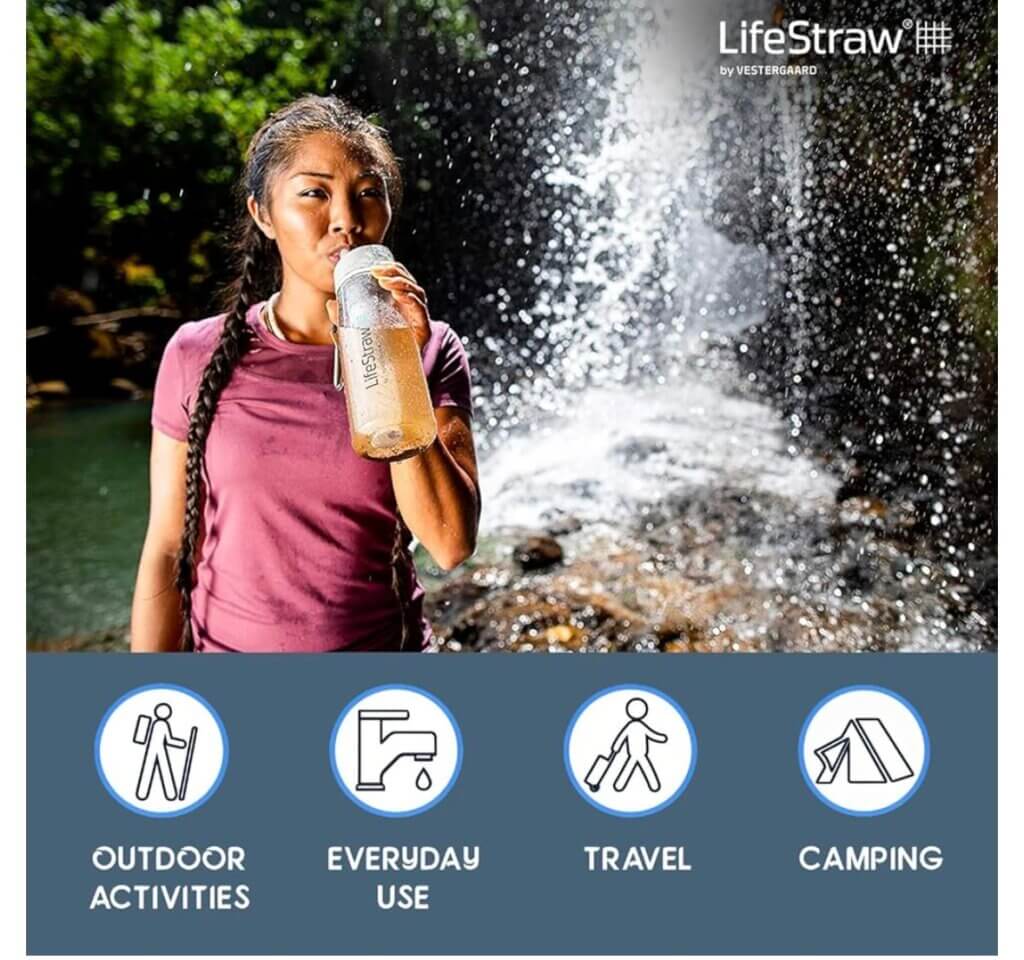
(187, 769)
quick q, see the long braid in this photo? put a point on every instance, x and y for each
(400, 570)
(234, 341)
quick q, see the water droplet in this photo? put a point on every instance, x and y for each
(423, 781)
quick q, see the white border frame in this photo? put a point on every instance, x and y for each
(1011, 527)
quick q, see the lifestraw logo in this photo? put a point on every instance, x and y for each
(800, 37)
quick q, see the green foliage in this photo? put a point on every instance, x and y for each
(138, 114)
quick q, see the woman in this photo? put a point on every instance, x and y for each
(266, 531)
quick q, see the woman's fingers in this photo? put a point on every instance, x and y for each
(411, 300)
(411, 297)
(408, 294)
(394, 269)
(395, 277)
(403, 285)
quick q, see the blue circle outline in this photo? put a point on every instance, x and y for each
(396, 814)
(630, 815)
(803, 736)
(169, 813)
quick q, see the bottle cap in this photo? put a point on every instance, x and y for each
(387, 438)
(360, 260)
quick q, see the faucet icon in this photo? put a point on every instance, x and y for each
(379, 751)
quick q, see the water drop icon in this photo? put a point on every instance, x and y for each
(423, 781)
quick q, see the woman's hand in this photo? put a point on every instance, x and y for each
(409, 296)
(410, 299)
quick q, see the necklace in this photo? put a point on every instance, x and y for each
(271, 320)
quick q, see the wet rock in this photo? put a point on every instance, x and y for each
(862, 510)
(638, 449)
(549, 614)
(564, 635)
(51, 387)
(586, 489)
(676, 646)
(564, 525)
(800, 629)
(716, 569)
(115, 640)
(123, 384)
(859, 576)
(537, 553)
(855, 484)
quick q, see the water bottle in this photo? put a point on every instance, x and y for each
(390, 414)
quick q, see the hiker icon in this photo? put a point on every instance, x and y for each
(635, 740)
(161, 750)
(636, 737)
(864, 751)
(395, 750)
(154, 733)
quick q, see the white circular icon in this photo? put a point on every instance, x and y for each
(396, 750)
(864, 751)
(161, 750)
(630, 750)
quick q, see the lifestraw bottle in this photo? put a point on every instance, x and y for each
(389, 410)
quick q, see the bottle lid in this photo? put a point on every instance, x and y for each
(360, 260)
(387, 438)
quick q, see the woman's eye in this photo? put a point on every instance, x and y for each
(315, 192)
(372, 192)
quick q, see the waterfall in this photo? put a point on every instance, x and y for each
(633, 276)
(635, 280)
(689, 513)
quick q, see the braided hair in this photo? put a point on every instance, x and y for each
(258, 273)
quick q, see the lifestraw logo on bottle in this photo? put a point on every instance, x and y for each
(369, 361)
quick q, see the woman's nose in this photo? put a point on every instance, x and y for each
(344, 217)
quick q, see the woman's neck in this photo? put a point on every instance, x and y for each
(301, 313)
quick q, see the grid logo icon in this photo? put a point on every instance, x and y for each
(933, 37)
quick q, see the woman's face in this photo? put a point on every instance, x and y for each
(330, 198)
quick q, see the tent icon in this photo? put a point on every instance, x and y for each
(867, 753)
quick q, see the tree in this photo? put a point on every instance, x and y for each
(138, 115)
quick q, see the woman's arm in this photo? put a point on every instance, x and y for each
(156, 614)
(438, 490)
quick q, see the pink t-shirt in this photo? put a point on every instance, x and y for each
(298, 547)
